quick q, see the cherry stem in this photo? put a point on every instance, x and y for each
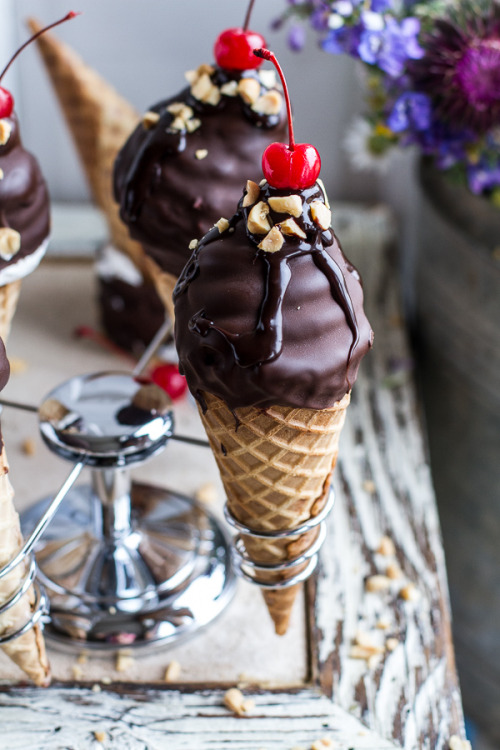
(266, 54)
(249, 13)
(67, 17)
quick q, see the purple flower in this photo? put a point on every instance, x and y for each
(391, 46)
(482, 177)
(412, 111)
(342, 40)
(297, 37)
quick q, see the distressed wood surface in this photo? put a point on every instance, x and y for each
(407, 697)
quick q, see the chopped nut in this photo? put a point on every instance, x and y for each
(393, 571)
(321, 215)
(52, 410)
(456, 743)
(263, 182)
(363, 652)
(386, 547)
(205, 68)
(222, 225)
(175, 108)
(383, 623)
(193, 244)
(269, 103)
(369, 486)
(5, 131)
(207, 493)
(96, 688)
(248, 705)
(191, 76)
(373, 661)
(100, 736)
(193, 124)
(391, 644)
(213, 97)
(267, 78)
(10, 242)
(172, 672)
(290, 227)
(77, 672)
(272, 242)
(366, 641)
(258, 223)
(325, 743)
(152, 398)
(230, 88)
(28, 447)
(150, 119)
(323, 189)
(409, 593)
(106, 680)
(252, 193)
(287, 204)
(178, 124)
(202, 87)
(249, 90)
(377, 583)
(124, 661)
(201, 153)
(234, 700)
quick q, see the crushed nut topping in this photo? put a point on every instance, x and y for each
(193, 124)
(386, 547)
(287, 204)
(409, 593)
(10, 243)
(252, 193)
(393, 571)
(150, 119)
(100, 736)
(193, 244)
(321, 215)
(230, 88)
(325, 743)
(28, 447)
(173, 672)
(369, 486)
(257, 222)
(269, 103)
(204, 90)
(249, 90)
(272, 242)
(267, 78)
(124, 661)
(222, 225)
(377, 583)
(201, 153)
(391, 644)
(5, 131)
(456, 743)
(236, 702)
(290, 227)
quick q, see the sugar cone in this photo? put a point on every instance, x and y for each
(100, 121)
(276, 466)
(27, 651)
(9, 295)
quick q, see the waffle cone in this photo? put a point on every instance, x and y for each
(276, 465)
(9, 295)
(27, 651)
(100, 121)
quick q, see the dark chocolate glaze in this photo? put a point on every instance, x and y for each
(24, 200)
(260, 329)
(4, 367)
(168, 197)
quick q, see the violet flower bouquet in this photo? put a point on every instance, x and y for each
(433, 79)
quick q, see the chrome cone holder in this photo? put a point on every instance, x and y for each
(121, 562)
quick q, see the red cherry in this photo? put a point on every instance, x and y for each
(233, 49)
(168, 377)
(297, 165)
(6, 102)
(295, 169)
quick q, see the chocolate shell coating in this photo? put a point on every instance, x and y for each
(259, 328)
(24, 199)
(4, 367)
(167, 193)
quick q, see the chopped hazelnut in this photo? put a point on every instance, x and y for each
(409, 593)
(235, 701)
(201, 153)
(173, 672)
(325, 743)
(377, 583)
(177, 124)
(258, 223)
(230, 88)
(386, 547)
(383, 623)
(28, 447)
(191, 76)
(269, 103)
(10, 243)
(272, 242)
(193, 244)
(202, 87)
(391, 644)
(252, 193)
(249, 90)
(100, 736)
(5, 131)
(456, 743)
(290, 227)
(175, 108)
(193, 124)
(393, 571)
(321, 215)
(267, 78)
(222, 225)
(124, 661)
(287, 204)
(150, 119)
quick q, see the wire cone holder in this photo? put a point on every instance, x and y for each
(39, 602)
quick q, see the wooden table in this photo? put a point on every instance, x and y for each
(306, 686)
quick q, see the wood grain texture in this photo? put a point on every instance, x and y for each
(405, 698)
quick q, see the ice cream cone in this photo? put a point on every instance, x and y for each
(276, 465)
(27, 651)
(100, 121)
(9, 295)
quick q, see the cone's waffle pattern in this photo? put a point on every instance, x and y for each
(9, 295)
(276, 466)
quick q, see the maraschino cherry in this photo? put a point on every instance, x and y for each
(297, 165)
(233, 48)
(6, 98)
(168, 377)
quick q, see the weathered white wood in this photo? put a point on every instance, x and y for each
(410, 699)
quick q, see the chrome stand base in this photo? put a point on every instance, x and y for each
(167, 574)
